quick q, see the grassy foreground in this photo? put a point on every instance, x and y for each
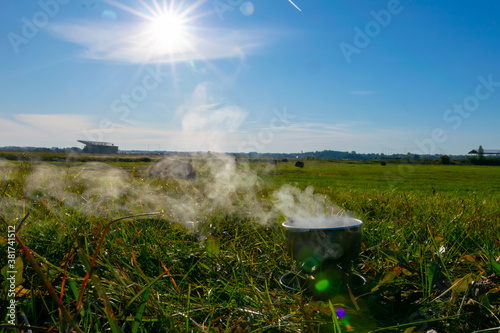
(209, 256)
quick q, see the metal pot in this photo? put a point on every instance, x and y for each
(323, 241)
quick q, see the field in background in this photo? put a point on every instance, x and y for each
(431, 240)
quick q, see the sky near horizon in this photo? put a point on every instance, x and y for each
(240, 76)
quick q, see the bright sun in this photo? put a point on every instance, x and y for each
(168, 32)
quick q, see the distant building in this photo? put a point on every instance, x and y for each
(97, 147)
(494, 152)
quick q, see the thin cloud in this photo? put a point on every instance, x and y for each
(42, 129)
(205, 121)
(212, 135)
(320, 128)
(293, 138)
(204, 111)
(144, 135)
(129, 43)
(357, 136)
(54, 123)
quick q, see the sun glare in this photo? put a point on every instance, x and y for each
(168, 32)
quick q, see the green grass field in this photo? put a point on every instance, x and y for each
(88, 259)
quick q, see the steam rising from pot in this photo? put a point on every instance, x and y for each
(98, 189)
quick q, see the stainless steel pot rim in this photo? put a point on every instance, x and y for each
(296, 281)
(322, 223)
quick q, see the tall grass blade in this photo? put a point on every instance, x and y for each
(101, 291)
(336, 325)
(140, 311)
(34, 264)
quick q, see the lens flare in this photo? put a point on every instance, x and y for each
(322, 285)
(247, 8)
(346, 323)
(310, 264)
(340, 312)
(191, 65)
(108, 15)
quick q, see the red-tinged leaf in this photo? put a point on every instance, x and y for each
(171, 278)
(101, 291)
(36, 267)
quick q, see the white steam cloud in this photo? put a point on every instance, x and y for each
(223, 185)
(207, 121)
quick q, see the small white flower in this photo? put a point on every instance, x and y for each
(441, 251)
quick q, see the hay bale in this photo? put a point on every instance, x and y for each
(169, 168)
(299, 164)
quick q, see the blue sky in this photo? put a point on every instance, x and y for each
(231, 75)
